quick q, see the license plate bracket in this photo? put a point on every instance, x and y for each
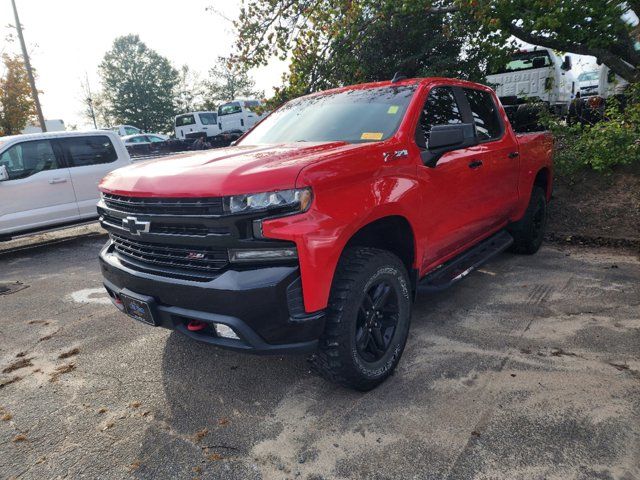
(139, 308)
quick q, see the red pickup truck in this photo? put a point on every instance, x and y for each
(314, 233)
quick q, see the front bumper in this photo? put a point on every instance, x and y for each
(262, 305)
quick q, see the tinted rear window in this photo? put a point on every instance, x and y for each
(229, 108)
(94, 150)
(184, 120)
(208, 118)
(485, 114)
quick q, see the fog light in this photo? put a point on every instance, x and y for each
(226, 332)
(263, 254)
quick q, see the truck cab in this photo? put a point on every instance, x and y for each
(535, 73)
(192, 125)
(238, 115)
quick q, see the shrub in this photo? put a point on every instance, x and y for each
(612, 141)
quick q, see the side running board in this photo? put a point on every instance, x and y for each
(459, 267)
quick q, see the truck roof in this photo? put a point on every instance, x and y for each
(45, 135)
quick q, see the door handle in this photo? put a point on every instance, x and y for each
(513, 155)
(475, 164)
(53, 181)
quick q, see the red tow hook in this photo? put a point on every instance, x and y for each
(196, 326)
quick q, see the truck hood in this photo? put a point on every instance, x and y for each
(225, 171)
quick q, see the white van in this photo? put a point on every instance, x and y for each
(194, 124)
(238, 115)
(535, 73)
(48, 180)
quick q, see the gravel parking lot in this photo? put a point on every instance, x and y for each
(528, 369)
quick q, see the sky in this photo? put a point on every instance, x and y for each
(68, 38)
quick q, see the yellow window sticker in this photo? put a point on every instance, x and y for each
(371, 136)
(393, 109)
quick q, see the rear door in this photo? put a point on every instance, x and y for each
(453, 189)
(89, 158)
(498, 151)
(39, 191)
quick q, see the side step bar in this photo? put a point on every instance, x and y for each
(459, 267)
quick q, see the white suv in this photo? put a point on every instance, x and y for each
(48, 180)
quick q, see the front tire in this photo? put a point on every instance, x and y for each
(528, 232)
(368, 319)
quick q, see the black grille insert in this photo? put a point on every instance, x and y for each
(165, 206)
(197, 259)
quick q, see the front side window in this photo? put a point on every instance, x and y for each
(184, 120)
(28, 158)
(352, 116)
(94, 150)
(441, 108)
(155, 139)
(229, 109)
(485, 114)
(140, 139)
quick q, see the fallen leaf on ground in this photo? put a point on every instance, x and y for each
(19, 438)
(6, 417)
(135, 465)
(135, 404)
(102, 410)
(223, 421)
(18, 364)
(14, 379)
(200, 434)
(214, 457)
(61, 370)
(70, 353)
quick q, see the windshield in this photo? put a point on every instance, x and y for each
(527, 61)
(208, 118)
(352, 116)
(229, 108)
(586, 76)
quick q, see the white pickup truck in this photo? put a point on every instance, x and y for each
(237, 117)
(50, 180)
(535, 73)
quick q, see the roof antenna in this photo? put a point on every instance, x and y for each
(398, 76)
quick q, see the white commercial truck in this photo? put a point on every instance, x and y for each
(535, 73)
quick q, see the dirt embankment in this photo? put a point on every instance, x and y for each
(597, 209)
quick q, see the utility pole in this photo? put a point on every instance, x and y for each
(89, 101)
(27, 65)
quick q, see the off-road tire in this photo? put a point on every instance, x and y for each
(338, 358)
(528, 232)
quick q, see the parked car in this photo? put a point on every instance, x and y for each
(535, 73)
(51, 179)
(588, 83)
(237, 117)
(124, 130)
(196, 124)
(314, 233)
(147, 144)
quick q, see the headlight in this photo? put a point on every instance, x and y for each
(296, 200)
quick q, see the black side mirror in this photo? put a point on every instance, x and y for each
(447, 138)
(566, 65)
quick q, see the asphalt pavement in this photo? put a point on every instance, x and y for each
(528, 369)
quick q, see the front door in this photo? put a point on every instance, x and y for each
(39, 192)
(454, 190)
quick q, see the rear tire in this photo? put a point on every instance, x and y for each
(367, 321)
(528, 232)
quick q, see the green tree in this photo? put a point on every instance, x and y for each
(138, 85)
(228, 80)
(17, 106)
(333, 42)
